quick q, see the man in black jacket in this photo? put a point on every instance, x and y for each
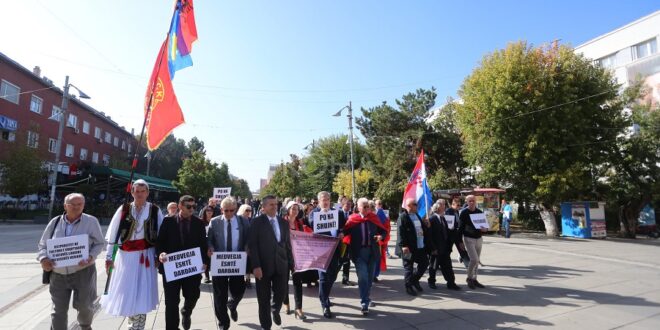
(271, 260)
(472, 238)
(181, 232)
(414, 245)
(442, 242)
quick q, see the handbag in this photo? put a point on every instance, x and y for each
(45, 276)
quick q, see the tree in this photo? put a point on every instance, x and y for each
(241, 188)
(327, 157)
(537, 119)
(198, 176)
(286, 180)
(365, 185)
(22, 171)
(196, 145)
(632, 170)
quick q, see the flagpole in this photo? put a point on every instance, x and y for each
(134, 163)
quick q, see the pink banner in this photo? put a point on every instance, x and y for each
(312, 251)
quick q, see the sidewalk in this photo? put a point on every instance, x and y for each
(531, 283)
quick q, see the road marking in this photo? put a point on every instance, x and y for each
(14, 303)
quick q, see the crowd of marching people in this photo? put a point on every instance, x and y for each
(140, 237)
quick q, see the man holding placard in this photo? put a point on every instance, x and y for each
(227, 240)
(181, 243)
(68, 247)
(317, 222)
(472, 224)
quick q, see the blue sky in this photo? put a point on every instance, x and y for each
(268, 75)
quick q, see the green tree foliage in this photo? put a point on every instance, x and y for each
(22, 171)
(326, 158)
(198, 176)
(286, 181)
(537, 119)
(240, 188)
(396, 135)
(632, 170)
(365, 183)
(196, 145)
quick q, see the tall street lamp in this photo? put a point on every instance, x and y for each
(58, 146)
(350, 137)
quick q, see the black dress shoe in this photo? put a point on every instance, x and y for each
(453, 286)
(276, 318)
(432, 286)
(365, 309)
(345, 282)
(410, 291)
(376, 280)
(234, 314)
(327, 313)
(185, 321)
(417, 286)
(477, 284)
(470, 284)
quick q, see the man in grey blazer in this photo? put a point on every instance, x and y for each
(227, 233)
(271, 258)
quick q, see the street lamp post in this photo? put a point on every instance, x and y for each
(148, 156)
(350, 138)
(58, 145)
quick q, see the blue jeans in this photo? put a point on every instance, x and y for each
(365, 265)
(507, 227)
(327, 279)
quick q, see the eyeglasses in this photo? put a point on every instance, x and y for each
(230, 211)
(189, 206)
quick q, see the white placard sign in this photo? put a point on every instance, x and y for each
(228, 264)
(479, 220)
(326, 221)
(221, 193)
(450, 221)
(68, 251)
(183, 264)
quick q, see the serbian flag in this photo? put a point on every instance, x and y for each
(418, 188)
(163, 113)
(182, 34)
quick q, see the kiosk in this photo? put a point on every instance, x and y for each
(583, 219)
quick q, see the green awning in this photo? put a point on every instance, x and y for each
(154, 182)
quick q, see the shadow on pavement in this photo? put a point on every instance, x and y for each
(535, 272)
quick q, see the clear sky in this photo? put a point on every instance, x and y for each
(268, 75)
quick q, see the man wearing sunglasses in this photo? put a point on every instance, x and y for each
(181, 232)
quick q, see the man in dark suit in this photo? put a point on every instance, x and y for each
(227, 233)
(328, 278)
(442, 242)
(181, 232)
(271, 260)
(414, 245)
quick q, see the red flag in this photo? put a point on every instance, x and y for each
(187, 21)
(164, 115)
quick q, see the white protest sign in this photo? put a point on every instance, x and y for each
(450, 221)
(68, 251)
(479, 220)
(326, 221)
(183, 264)
(221, 193)
(228, 263)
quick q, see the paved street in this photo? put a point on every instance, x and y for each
(531, 283)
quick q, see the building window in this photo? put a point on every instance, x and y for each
(52, 145)
(33, 139)
(8, 136)
(116, 142)
(106, 159)
(9, 91)
(85, 127)
(130, 148)
(108, 137)
(644, 49)
(83, 154)
(95, 157)
(73, 121)
(123, 144)
(97, 132)
(55, 113)
(609, 61)
(69, 150)
(36, 103)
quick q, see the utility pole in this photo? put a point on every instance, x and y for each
(58, 146)
(350, 130)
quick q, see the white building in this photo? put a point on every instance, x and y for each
(630, 51)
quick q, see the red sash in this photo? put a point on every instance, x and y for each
(136, 245)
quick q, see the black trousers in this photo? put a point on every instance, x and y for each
(412, 275)
(223, 287)
(277, 284)
(189, 286)
(442, 261)
(297, 289)
(346, 265)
